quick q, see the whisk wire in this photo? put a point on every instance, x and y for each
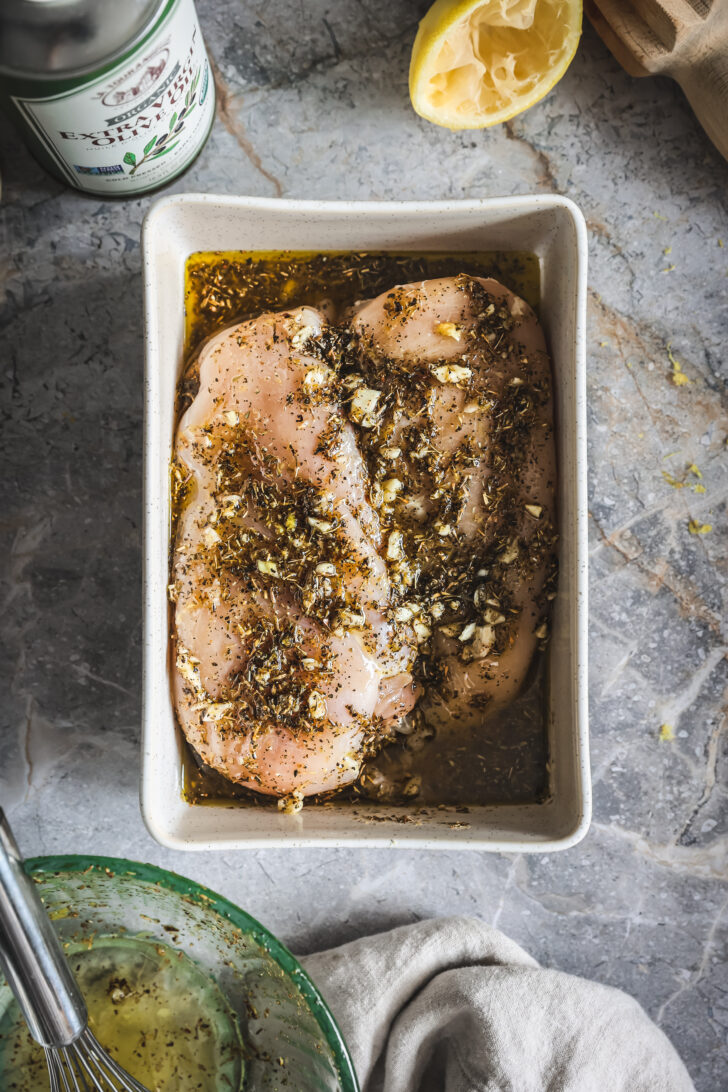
(114, 1078)
(84, 1066)
(67, 1075)
(73, 1070)
(53, 1071)
(85, 1061)
(98, 1072)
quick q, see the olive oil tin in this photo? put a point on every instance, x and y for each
(113, 98)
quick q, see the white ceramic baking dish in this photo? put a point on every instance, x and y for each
(553, 228)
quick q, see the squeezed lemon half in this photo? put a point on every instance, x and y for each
(479, 62)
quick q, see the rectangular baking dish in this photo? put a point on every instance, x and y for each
(551, 227)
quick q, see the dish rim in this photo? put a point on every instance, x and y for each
(577, 625)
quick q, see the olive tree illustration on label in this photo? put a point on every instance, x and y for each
(159, 146)
(152, 109)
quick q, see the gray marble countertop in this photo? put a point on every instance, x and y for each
(313, 103)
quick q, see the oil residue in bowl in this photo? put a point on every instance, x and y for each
(505, 759)
(156, 1012)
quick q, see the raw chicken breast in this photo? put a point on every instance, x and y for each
(288, 668)
(462, 448)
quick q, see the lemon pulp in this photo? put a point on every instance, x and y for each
(479, 62)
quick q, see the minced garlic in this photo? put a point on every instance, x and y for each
(449, 329)
(216, 710)
(452, 373)
(482, 642)
(395, 549)
(292, 803)
(302, 335)
(210, 537)
(315, 377)
(267, 568)
(363, 406)
(321, 525)
(317, 705)
(390, 488)
(509, 554)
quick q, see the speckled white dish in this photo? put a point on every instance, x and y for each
(553, 228)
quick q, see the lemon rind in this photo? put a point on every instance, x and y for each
(431, 34)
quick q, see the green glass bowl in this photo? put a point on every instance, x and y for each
(290, 1039)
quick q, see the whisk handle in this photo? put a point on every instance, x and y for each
(31, 956)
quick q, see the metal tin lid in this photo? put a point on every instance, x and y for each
(52, 38)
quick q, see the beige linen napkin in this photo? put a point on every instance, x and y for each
(452, 1005)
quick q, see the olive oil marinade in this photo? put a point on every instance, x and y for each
(503, 760)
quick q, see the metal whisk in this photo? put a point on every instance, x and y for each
(32, 960)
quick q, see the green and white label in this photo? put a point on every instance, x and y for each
(141, 122)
